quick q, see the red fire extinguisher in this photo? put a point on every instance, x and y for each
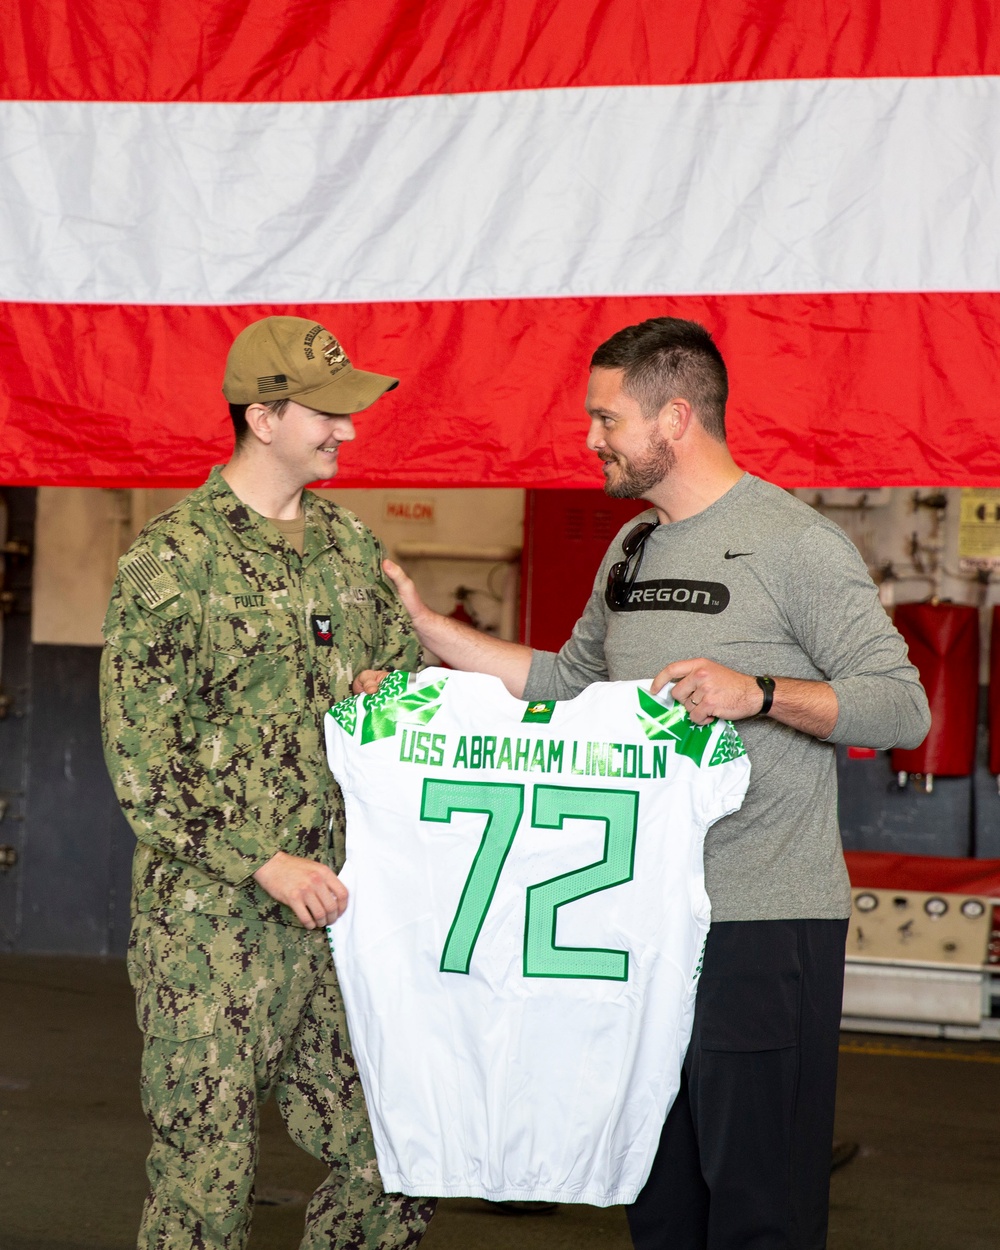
(460, 612)
(943, 639)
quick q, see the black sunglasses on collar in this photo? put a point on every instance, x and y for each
(622, 575)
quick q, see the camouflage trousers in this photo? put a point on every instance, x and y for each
(231, 1009)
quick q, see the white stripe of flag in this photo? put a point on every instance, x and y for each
(787, 186)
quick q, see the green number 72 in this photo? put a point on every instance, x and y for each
(503, 806)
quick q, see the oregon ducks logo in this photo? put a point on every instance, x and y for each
(540, 713)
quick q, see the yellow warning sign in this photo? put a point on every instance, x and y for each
(979, 529)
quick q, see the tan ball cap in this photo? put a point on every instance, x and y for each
(294, 358)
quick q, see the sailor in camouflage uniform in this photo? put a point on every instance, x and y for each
(228, 636)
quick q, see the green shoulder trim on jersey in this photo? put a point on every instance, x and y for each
(539, 712)
(345, 713)
(151, 578)
(659, 722)
(729, 746)
(393, 704)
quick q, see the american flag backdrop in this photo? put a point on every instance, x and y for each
(471, 195)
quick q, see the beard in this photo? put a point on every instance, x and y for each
(633, 478)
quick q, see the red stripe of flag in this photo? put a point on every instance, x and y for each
(828, 390)
(262, 50)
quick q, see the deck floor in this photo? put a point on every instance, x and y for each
(72, 1138)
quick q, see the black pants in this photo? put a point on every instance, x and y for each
(744, 1157)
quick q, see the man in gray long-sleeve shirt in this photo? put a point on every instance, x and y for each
(760, 611)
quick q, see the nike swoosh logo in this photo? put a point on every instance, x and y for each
(734, 555)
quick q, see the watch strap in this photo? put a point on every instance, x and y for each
(767, 685)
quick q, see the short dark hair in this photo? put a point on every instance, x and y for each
(238, 412)
(666, 357)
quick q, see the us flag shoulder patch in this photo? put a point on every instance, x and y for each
(150, 578)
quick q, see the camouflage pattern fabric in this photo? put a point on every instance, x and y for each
(223, 650)
(230, 1010)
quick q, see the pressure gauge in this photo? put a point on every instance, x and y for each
(866, 902)
(972, 909)
(935, 907)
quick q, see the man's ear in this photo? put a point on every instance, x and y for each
(675, 418)
(260, 422)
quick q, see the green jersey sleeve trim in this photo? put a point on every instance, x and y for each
(674, 723)
(395, 703)
(345, 713)
(728, 746)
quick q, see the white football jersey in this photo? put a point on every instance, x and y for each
(527, 915)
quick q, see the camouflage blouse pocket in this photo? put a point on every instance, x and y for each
(246, 632)
(256, 662)
(355, 630)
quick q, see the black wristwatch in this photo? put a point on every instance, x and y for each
(767, 685)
